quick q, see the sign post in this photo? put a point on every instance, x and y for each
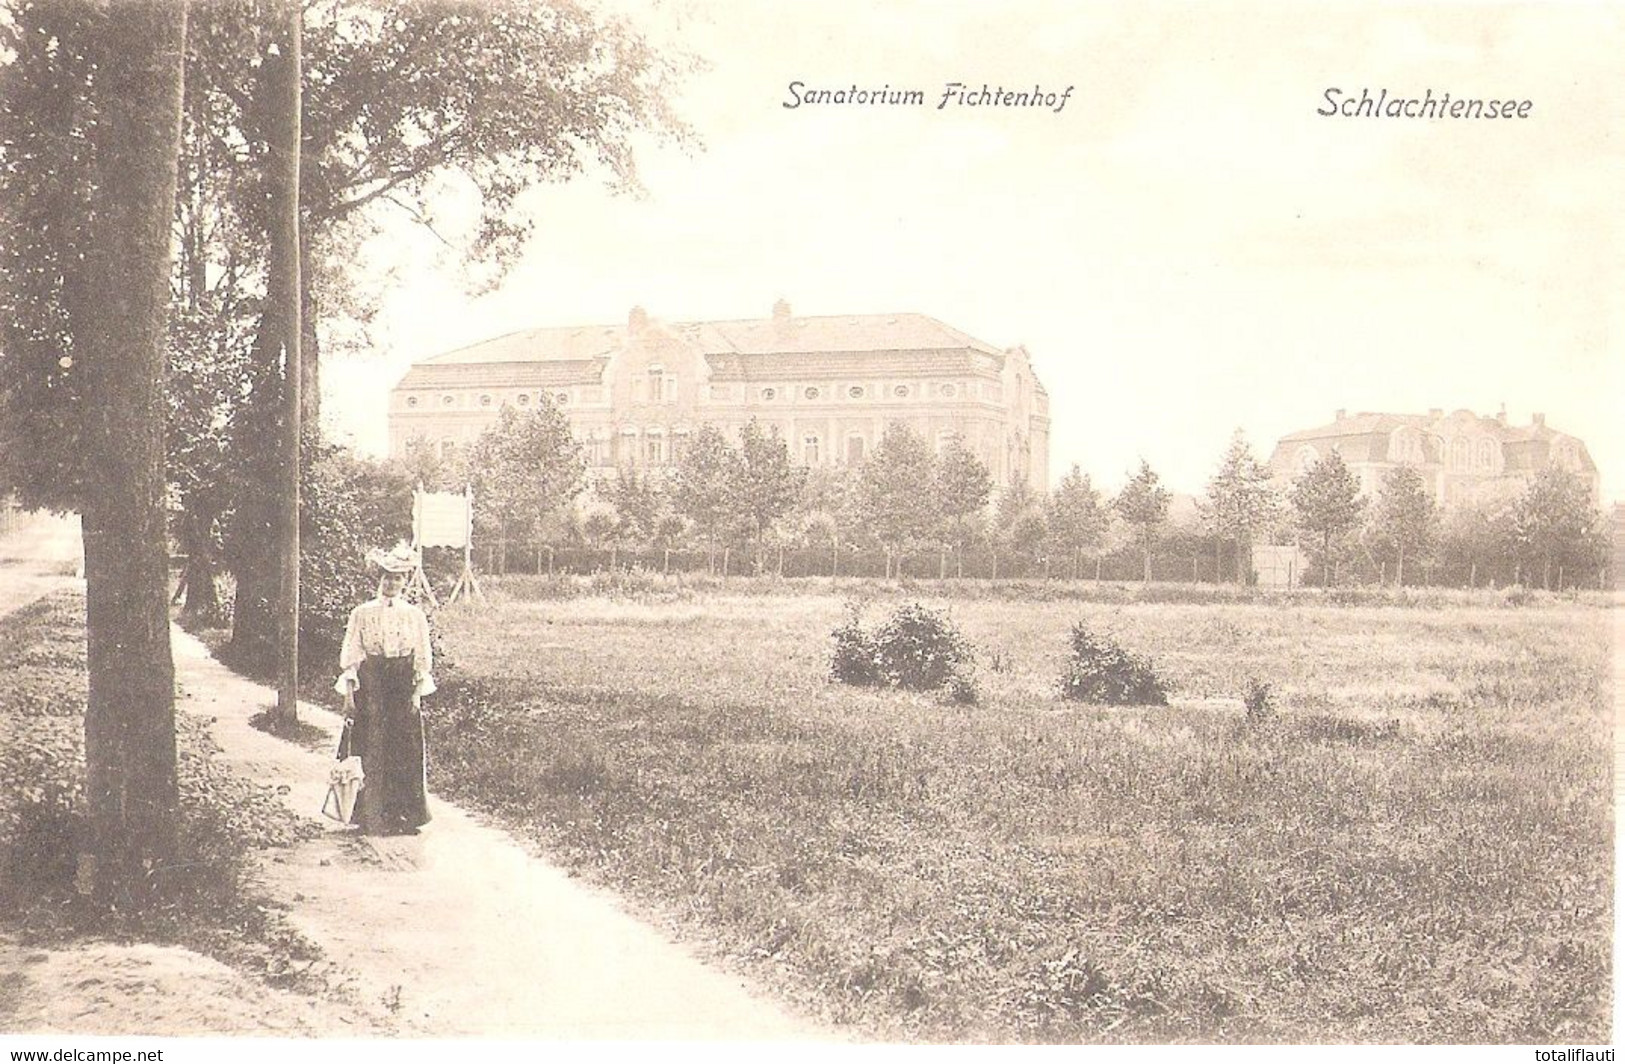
(445, 519)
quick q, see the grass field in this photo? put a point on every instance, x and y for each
(1417, 848)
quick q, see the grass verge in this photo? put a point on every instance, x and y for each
(211, 908)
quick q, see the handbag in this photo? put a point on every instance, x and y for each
(344, 780)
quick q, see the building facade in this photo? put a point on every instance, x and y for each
(830, 385)
(1465, 459)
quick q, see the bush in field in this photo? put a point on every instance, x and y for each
(853, 660)
(919, 649)
(916, 648)
(1102, 671)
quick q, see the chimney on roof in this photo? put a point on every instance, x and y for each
(1539, 420)
(637, 321)
(1342, 413)
(781, 318)
(1502, 415)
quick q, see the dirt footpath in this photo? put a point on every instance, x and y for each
(459, 930)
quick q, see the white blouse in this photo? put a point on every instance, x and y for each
(393, 628)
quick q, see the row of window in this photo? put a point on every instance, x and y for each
(772, 392)
(522, 400)
(660, 449)
(1469, 454)
(663, 388)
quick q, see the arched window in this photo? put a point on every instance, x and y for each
(1459, 452)
(1486, 454)
(854, 450)
(809, 450)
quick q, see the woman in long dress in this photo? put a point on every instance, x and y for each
(385, 672)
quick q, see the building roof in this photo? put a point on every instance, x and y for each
(505, 374)
(832, 365)
(854, 334)
(1358, 425)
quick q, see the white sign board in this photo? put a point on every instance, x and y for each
(440, 519)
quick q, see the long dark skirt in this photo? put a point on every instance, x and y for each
(388, 737)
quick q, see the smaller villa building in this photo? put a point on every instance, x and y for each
(1466, 459)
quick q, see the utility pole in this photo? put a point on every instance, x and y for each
(285, 232)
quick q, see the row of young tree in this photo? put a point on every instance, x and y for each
(528, 472)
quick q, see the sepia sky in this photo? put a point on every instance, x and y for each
(1185, 249)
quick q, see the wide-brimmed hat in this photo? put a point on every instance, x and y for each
(402, 559)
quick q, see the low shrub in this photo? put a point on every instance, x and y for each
(1102, 671)
(853, 661)
(916, 648)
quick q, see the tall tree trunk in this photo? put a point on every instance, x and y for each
(130, 713)
(251, 539)
(197, 541)
(255, 557)
(310, 382)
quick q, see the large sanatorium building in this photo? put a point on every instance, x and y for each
(830, 385)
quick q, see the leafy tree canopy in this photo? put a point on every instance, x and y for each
(895, 489)
(1240, 502)
(524, 468)
(963, 487)
(766, 486)
(702, 483)
(1075, 517)
(1405, 520)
